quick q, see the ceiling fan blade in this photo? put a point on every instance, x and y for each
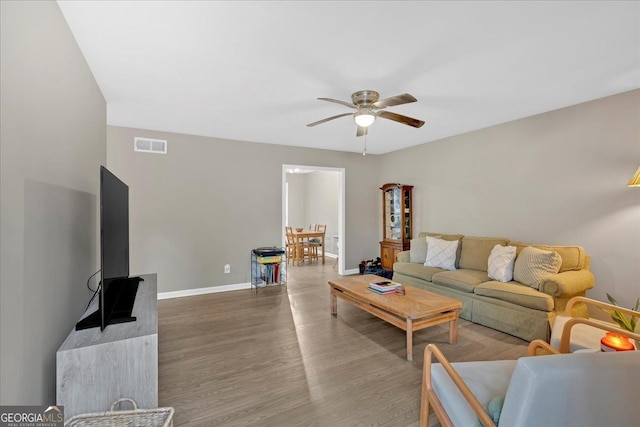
(362, 131)
(337, 101)
(400, 118)
(405, 98)
(329, 118)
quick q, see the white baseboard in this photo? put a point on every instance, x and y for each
(202, 291)
(225, 288)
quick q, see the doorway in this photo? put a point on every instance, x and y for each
(315, 195)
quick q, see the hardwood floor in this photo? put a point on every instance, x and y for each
(278, 358)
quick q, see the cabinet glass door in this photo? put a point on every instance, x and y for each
(407, 214)
(394, 218)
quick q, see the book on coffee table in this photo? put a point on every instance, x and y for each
(385, 286)
(387, 292)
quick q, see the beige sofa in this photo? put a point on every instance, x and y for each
(510, 307)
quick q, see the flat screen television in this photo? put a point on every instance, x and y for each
(117, 291)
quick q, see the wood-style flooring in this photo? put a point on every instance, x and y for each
(278, 358)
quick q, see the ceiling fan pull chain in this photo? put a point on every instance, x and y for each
(364, 152)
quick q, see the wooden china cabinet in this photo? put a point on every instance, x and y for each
(396, 222)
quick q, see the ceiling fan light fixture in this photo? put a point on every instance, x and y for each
(369, 107)
(364, 118)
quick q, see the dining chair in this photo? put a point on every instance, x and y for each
(299, 250)
(311, 246)
(319, 240)
(291, 245)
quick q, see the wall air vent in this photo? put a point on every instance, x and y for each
(149, 145)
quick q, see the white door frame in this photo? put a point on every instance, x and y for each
(341, 193)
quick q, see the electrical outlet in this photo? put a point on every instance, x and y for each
(227, 269)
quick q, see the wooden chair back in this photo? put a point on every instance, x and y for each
(587, 336)
(289, 232)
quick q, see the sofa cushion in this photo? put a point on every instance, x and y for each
(441, 235)
(573, 257)
(475, 251)
(493, 409)
(424, 234)
(462, 280)
(441, 253)
(501, 261)
(418, 250)
(485, 379)
(418, 271)
(533, 265)
(516, 293)
(578, 389)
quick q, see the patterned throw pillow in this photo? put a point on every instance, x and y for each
(533, 265)
(441, 253)
(501, 261)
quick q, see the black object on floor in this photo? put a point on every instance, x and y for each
(387, 274)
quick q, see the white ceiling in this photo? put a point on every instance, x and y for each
(252, 71)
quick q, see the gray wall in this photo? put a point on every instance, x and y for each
(557, 178)
(297, 214)
(52, 141)
(209, 201)
(322, 203)
(554, 178)
(313, 199)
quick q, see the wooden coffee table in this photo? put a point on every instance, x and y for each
(417, 309)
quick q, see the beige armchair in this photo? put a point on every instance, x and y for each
(560, 390)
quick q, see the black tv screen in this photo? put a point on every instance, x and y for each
(117, 290)
(114, 226)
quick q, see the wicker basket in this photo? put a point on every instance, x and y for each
(158, 417)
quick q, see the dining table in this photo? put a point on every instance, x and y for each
(301, 236)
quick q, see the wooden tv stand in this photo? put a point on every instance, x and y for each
(95, 368)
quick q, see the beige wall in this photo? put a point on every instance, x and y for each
(52, 142)
(313, 199)
(557, 178)
(297, 214)
(209, 201)
(322, 204)
(554, 178)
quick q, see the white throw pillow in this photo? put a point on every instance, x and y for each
(441, 253)
(501, 261)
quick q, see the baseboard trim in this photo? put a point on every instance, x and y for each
(202, 291)
(223, 288)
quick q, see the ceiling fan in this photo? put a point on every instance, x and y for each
(369, 107)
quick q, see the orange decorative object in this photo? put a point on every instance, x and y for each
(615, 342)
